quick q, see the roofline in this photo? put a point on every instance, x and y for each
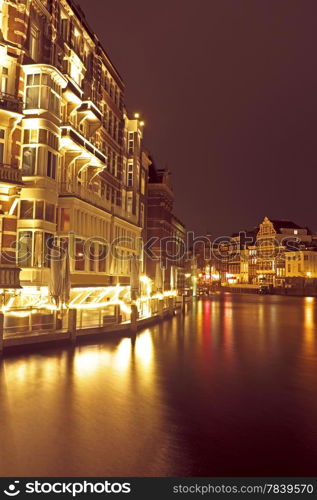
(80, 14)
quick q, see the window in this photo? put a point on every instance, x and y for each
(102, 252)
(119, 198)
(28, 161)
(75, 69)
(64, 29)
(32, 97)
(131, 143)
(42, 93)
(110, 123)
(130, 175)
(92, 257)
(50, 212)
(34, 43)
(39, 210)
(4, 75)
(142, 214)
(142, 182)
(114, 164)
(65, 219)
(79, 255)
(48, 245)
(26, 209)
(38, 249)
(25, 249)
(30, 136)
(2, 134)
(129, 203)
(51, 165)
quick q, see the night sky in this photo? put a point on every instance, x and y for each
(228, 91)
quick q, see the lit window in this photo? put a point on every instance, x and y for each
(25, 248)
(130, 175)
(142, 182)
(42, 93)
(129, 203)
(28, 161)
(2, 135)
(131, 143)
(4, 75)
(79, 255)
(34, 43)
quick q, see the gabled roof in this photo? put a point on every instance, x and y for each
(285, 224)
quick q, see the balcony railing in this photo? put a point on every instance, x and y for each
(85, 194)
(96, 199)
(11, 103)
(10, 174)
(79, 139)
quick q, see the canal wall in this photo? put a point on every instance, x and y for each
(305, 290)
(72, 334)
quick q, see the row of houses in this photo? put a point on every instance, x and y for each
(74, 172)
(275, 253)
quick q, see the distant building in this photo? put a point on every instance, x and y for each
(273, 239)
(269, 254)
(301, 263)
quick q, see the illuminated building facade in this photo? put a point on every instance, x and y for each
(270, 254)
(301, 264)
(273, 239)
(72, 168)
(166, 230)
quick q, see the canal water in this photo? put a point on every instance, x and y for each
(229, 389)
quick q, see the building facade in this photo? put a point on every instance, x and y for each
(271, 254)
(165, 232)
(73, 172)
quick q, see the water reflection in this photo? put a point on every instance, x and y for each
(229, 389)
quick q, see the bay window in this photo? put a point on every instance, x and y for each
(42, 93)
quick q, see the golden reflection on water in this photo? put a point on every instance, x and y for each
(89, 360)
(146, 405)
(309, 337)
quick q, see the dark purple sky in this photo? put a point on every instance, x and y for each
(228, 90)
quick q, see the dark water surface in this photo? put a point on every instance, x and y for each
(228, 390)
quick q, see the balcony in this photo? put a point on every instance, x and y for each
(9, 277)
(90, 110)
(11, 103)
(86, 194)
(95, 199)
(72, 91)
(10, 174)
(75, 141)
